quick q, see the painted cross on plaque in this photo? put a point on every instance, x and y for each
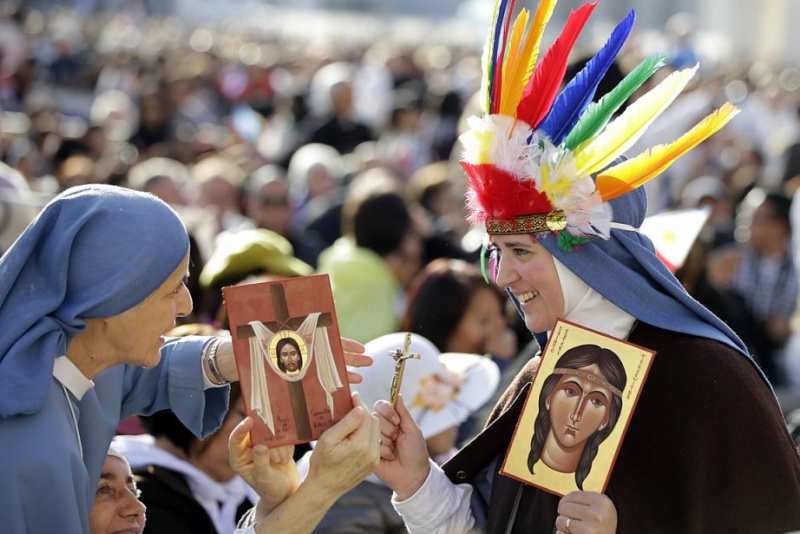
(289, 354)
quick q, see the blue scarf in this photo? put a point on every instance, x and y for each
(93, 252)
(625, 270)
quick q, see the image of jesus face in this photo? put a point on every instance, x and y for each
(578, 408)
(289, 355)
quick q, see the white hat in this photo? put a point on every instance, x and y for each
(116, 454)
(440, 390)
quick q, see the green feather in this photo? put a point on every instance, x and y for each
(568, 242)
(484, 259)
(598, 113)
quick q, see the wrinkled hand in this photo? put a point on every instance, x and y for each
(590, 513)
(271, 472)
(354, 356)
(404, 456)
(346, 453)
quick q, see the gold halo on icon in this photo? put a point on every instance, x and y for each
(298, 340)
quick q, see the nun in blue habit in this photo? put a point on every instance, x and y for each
(86, 294)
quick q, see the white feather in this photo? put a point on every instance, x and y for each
(590, 218)
(501, 141)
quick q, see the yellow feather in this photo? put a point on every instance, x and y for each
(635, 172)
(486, 61)
(512, 64)
(540, 19)
(485, 140)
(620, 134)
(534, 39)
(558, 184)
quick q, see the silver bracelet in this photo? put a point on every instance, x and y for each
(212, 362)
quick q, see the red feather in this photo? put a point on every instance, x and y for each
(542, 88)
(496, 193)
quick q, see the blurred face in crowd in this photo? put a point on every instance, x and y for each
(484, 315)
(167, 189)
(117, 508)
(319, 181)
(270, 208)
(407, 260)
(220, 194)
(152, 112)
(768, 233)
(342, 98)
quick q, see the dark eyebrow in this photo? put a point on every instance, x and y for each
(601, 391)
(573, 382)
(515, 244)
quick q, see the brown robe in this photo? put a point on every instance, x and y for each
(707, 449)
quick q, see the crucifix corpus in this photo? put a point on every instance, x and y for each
(283, 321)
(400, 357)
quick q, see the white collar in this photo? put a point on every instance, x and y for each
(586, 307)
(71, 377)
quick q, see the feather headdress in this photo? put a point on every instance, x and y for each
(537, 160)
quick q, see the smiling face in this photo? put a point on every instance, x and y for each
(116, 508)
(527, 269)
(136, 335)
(578, 408)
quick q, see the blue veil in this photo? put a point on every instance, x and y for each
(625, 270)
(93, 252)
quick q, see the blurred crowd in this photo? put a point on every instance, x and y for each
(285, 158)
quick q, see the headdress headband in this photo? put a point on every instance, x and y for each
(591, 377)
(531, 157)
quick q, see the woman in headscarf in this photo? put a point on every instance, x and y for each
(117, 502)
(707, 448)
(87, 293)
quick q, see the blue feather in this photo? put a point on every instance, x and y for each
(572, 101)
(494, 64)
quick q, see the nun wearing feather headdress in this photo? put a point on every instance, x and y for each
(87, 293)
(561, 201)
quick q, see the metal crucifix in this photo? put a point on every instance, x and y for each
(400, 357)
